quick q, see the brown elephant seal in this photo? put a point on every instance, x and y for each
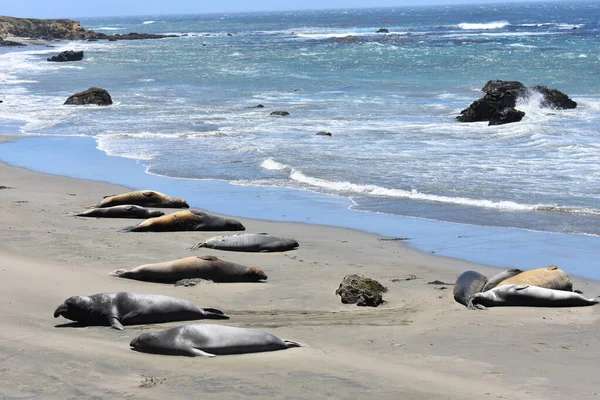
(530, 296)
(203, 267)
(208, 340)
(550, 277)
(125, 308)
(188, 220)
(125, 211)
(467, 284)
(145, 198)
(496, 279)
(250, 242)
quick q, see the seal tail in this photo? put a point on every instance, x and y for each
(118, 272)
(128, 229)
(290, 344)
(199, 245)
(213, 313)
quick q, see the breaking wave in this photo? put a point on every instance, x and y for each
(488, 25)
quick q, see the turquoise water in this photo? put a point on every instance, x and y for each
(184, 109)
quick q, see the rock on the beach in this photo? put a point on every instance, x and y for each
(356, 289)
(93, 95)
(498, 105)
(280, 113)
(68, 55)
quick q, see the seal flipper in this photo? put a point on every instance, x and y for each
(213, 313)
(128, 229)
(289, 344)
(116, 324)
(199, 245)
(194, 351)
(118, 272)
(472, 306)
(521, 287)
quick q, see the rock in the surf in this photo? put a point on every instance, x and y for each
(93, 95)
(66, 56)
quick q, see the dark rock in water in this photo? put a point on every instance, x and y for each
(229, 34)
(10, 43)
(1, 101)
(93, 95)
(112, 39)
(507, 116)
(498, 105)
(356, 289)
(324, 133)
(68, 55)
(137, 36)
(258, 106)
(383, 30)
(281, 113)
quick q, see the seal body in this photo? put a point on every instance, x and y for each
(145, 198)
(467, 284)
(251, 242)
(532, 296)
(125, 211)
(188, 220)
(496, 279)
(203, 267)
(125, 308)
(550, 277)
(208, 340)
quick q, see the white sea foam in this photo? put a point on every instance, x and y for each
(485, 25)
(148, 22)
(107, 28)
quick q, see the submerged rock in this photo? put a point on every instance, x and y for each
(356, 289)
(383, 30)
(68, 55)
(323, 133)
(93, 95)
(498, 105)
(280, 113)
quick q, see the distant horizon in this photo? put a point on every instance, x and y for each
(57, 10)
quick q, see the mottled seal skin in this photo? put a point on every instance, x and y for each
(530, 296)
(145, 198)
(496, 279)
(203, 267)
(188, 220)
(125, 211)
(125, 308)
(208, 340)
(550, 277)
(250, 242)
(467, 284)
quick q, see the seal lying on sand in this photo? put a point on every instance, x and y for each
(251, 242)
(526, 295)
(124, 308)
(496, 279)
(203, 267)
(208, 340)
(146, 198)
(550, 277)
(467, 284)
(188, 220)
(126, 211)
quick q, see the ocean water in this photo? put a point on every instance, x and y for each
(184, 106)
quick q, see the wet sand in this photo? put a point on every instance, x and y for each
(419, 345)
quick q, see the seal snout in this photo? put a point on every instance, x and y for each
(258, 273)
(60, 310)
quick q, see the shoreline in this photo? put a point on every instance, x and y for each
(420, 344)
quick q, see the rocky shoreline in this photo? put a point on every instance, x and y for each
(18, 31)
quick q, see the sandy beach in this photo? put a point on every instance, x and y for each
(420, 344)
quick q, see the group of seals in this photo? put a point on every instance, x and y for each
(126, 308)
(542, 287)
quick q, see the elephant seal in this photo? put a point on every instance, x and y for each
(203, 267)
(251, 242)
(550, 277)
(467, 284)
(125, 308)
(125, 211)
(208, 340)
(146, 198)
(527, 295)
(496, 279)
(188, 220)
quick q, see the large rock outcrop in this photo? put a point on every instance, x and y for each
(66, 56)
(356, 289)
(498, 104)
(93, 95)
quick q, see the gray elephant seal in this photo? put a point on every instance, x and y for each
(125, 308)
(250, 242)
(496, 279)
(145, 198)
(125, 211)
(550, 277)
(531, 296)
(203, 267)
(188, 220)
(208, 340)
(467, 284)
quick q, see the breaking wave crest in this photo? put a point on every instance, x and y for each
(488, 25)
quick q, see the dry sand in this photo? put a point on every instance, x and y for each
(419, 345)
